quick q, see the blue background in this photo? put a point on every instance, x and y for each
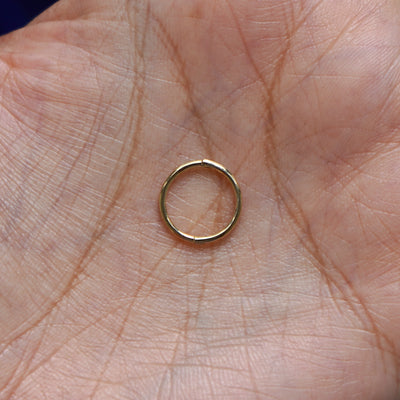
(15, 14)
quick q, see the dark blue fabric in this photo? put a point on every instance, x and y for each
(15, 14)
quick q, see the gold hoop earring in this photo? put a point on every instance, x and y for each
(163, 209)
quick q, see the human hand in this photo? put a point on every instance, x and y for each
(100, 101)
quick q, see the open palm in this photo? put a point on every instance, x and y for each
(100, 101)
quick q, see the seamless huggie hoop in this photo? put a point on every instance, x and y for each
(163, 208)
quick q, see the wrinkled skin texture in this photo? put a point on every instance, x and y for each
(100, 100)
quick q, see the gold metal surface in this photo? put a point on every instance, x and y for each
(163, 208)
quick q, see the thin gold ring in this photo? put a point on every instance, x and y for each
(163, 208)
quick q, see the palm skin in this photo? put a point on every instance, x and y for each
(100, 100)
